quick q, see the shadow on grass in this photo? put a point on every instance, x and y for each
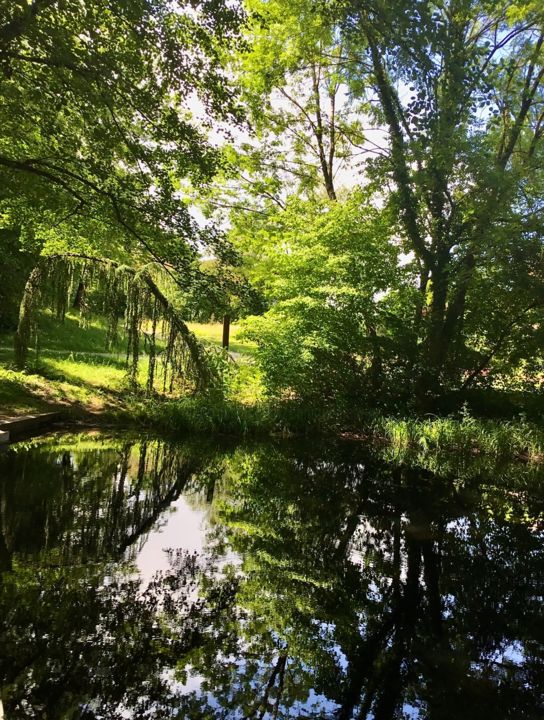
(18, 399)
(78, 386)
(68, 336)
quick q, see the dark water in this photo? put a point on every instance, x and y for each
(143, 579)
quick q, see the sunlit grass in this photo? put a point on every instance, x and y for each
(23, 393)
(72, 366)
(213, 333)
(73, 370)
(464, 435)
(91, 374)
(101, 387)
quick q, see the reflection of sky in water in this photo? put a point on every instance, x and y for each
(513, 653)
(410, 712)
(183, 526)
(180, 527)
(314, 703)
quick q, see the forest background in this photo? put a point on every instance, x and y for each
(359, 183)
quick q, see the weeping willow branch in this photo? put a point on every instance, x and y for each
(196, 349)
(139, 296)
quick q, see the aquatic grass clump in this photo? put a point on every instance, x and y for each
(202, 415)
(464, 435)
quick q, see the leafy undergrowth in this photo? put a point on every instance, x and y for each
(21, 393)
(73, 372)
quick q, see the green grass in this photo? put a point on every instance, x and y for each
(65, 337)
(21, 394)
(245, 384)
(213, 333)
(72, 368)
(465, 435)
(101, 389)
(201, 416)
(403, 440)
(27, 392)
(73, 371)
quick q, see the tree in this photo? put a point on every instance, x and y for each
(459, 88)
(321, 265)
(303, 130)
(443, 106)
(16, 267)
(98, 136)
(96, 124)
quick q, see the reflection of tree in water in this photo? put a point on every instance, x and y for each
(79, 638)
(365, 591)
(71, 507)
(75, 646)
(373, 592)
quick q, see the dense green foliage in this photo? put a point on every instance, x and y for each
(97, 134)
(15, 268)
(105, 110)
(440, 106)
(362, 181)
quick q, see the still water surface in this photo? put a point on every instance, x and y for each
(147, 579)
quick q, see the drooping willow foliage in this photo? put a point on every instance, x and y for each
(132, 303)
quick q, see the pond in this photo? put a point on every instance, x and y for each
(142, 578)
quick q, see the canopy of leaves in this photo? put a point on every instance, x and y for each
(97, 129)
(441, 105)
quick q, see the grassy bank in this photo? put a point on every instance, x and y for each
(21, 393)
(465, 435)
(73, 369)
(88, 381)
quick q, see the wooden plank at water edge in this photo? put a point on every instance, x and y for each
(26, 424)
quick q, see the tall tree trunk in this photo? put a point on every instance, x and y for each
(80, 294)
(27, 316)
(226, 331)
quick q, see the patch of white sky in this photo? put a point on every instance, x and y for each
(349, 172)
(182, 527)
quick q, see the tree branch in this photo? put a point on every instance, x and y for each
(17, 26)
(398, 151)
(529, 91)
(498, 344)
